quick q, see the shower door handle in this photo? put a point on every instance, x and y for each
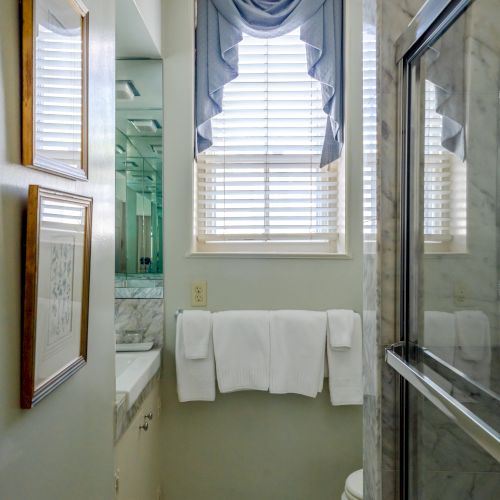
(482, 433)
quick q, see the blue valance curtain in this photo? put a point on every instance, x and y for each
(446, 71)
(220, 27)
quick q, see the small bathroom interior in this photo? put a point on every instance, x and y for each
(289, 287)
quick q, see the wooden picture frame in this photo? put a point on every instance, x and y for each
(55, 86)
(56, 294)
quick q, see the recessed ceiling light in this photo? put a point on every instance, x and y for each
(145, 125)
(126, 90)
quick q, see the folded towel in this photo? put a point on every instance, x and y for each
(195, 377)
(196, 328)
(346, 369)
(298, 341)
(440, 339)
(241, 345)
(473, 355)
(440, 334)
(341, 324)
(473, 334)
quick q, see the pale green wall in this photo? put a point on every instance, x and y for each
(252, 445)
(62, 448)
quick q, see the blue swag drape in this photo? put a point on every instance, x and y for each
(446, 70)
(220, 27)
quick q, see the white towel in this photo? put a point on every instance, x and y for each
(346, 369)
(473, 355)
(241, 345)
(196, 327)
(341, 325)
(298, 341)
(195, 377)
(473, 334)
(440, 339)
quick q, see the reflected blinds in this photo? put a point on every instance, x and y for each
(260, 182)
(437, 174)
(58, 99)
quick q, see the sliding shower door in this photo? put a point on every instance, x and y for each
(449, 356)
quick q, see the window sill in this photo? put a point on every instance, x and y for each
(268, 255)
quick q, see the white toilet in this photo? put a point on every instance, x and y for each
(354, 486)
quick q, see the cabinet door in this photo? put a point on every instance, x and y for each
(137, 460)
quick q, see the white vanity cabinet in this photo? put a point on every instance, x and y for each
(137, 463)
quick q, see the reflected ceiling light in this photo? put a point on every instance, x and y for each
(119, 150)
(145, 125)
(126, 90)
(157, 148)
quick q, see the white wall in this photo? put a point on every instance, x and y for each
(62, 448)
(252, 445)
(151, 13)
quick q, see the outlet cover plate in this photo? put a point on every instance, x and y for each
(199, 294)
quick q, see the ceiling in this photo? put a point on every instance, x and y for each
(133, 38)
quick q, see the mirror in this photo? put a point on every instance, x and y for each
(139, 168)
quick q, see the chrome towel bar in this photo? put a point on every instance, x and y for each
(484, 435)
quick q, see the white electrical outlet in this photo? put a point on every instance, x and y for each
(199, 294)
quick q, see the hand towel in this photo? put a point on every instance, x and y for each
(473, 354)
(346, 369)
(298, 340)
(195, 377)
(473, 334)
(196, 328)
(242, 350)
(341, 324)
(440, 338)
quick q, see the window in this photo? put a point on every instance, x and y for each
(259, 187)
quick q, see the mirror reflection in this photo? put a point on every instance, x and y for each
(139, 168)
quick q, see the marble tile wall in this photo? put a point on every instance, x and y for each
(387, 19)
(141, 314)
(450, 465)
(139, 293)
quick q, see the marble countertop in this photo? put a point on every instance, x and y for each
(123, 416)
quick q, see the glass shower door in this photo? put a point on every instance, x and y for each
(449, 357)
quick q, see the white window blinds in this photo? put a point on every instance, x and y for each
(369, 136)
(59, 96)
(259, 187)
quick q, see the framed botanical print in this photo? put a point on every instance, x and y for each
(54, 86)
(56, 296)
